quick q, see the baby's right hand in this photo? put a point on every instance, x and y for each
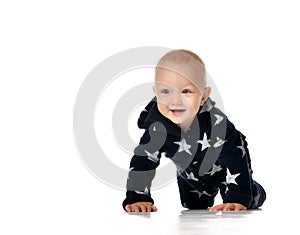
(141, 207)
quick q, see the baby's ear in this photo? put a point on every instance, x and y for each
(205, 95)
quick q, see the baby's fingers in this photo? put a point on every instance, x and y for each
(153, 208)
(128, 208)
(132, 208)
(136, 208)
(217, 208)
(141, 207)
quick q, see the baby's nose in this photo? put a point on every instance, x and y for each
(177, 99)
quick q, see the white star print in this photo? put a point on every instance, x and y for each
(191, 176)
(241, 147)
(219, 119)
(214, 169)
(130, 169)
(204, 142)
(183, 146)
(200, 193)
(249, 169)
(226, 188)
(139, 192)
(152, 156)
(230, 179)
(219, 142)
(146, 191)
(256, 199)
(179, 171)
(209, 107)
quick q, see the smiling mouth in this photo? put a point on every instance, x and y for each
(177, 112)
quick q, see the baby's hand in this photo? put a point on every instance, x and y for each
(141, 207)
(228, 207)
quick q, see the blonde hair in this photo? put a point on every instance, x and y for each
(179, 60)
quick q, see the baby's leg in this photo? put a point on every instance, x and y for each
(259, 195)
(193, 198)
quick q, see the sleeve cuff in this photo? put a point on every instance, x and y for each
(237, 197)
(137, 198)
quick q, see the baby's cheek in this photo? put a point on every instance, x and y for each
(162, 108)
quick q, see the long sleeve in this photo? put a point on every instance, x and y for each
(239, 186)
(142, 168)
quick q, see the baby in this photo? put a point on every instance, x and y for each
(183, 124)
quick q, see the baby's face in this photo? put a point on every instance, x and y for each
(178, 98)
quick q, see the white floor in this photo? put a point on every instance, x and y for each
(199, 222)
(83, 205)
(275, 216)
(203, 222)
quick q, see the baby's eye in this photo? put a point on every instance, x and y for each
(186, 91)
(165, 91)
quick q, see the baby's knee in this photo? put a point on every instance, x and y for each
(196, 205)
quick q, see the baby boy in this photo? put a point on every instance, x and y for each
(183, 124)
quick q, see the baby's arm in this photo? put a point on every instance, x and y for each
(142, 171)
(240, 190)
(141, 207)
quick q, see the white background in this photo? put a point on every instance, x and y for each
(251, 50)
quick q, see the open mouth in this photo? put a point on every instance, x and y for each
(177, 112)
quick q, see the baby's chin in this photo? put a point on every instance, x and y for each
(180, 121)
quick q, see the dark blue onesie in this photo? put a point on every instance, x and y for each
(211, 157)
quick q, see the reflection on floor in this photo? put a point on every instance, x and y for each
(204, 222)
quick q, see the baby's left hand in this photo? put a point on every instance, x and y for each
(228, 207)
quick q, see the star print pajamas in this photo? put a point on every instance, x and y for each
(211, 157)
